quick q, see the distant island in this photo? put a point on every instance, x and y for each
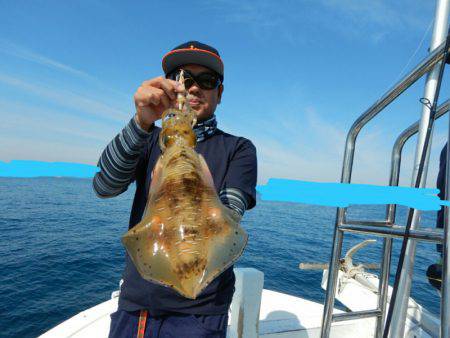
(26, 168)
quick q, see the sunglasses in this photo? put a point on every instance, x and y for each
(205, 80)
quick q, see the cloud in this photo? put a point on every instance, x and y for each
(15, 50)
(20, 52)
(314, 150)
(67, 98)
(377, 19)
(299, 149)
(373, 12)
(48, 150)
(39, 133)
(297, 22)
(36, 121)
(56, 118)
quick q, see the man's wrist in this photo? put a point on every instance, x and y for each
(142, 125)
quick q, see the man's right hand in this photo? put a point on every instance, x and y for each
(153, 97)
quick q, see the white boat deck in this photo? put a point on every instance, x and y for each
(279, 315)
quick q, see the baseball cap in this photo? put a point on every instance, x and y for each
(196, 53)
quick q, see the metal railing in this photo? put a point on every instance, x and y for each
(387, 227)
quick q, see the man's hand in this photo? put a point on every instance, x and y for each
(153, 97)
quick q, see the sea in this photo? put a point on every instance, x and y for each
(60, 249)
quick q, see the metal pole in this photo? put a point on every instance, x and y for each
(333, 267)
(383, 285)
(396, 231)
(396, 156)
(333, 271)
(445, 284)
(390, 216)
(424, 66)
(404, 287)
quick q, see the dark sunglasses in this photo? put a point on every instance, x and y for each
(205, 80)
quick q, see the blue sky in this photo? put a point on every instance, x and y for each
(297, 74)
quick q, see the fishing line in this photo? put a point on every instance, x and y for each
(417, 185)
(416, 51)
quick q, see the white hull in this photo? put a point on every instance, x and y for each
(268, 314)
(281, 316)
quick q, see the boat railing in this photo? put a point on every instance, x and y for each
(386, 227)
(397, 154)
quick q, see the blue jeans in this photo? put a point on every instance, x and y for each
(125, 325)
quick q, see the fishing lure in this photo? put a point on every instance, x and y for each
(186, 237)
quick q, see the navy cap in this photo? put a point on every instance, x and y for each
(193, 52)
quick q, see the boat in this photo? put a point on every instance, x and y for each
(258, 312)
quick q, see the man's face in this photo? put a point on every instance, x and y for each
(203, 101)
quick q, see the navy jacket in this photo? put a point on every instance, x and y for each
(232, 162)
(440, 184)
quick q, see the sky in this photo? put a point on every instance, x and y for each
(297, 75)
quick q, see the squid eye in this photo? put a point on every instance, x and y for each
(166, 139)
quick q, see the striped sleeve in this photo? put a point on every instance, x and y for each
(234, 199)
(119, 160)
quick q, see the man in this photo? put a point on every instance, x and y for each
(434, 271)
(145, 308)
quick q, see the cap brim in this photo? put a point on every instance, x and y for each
(179, 57)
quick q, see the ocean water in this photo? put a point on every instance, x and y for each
(60, 250)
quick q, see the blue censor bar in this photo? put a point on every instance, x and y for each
(276, 189)
(19, 168)
(344, 194)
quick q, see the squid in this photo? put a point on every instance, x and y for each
(186, 236)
